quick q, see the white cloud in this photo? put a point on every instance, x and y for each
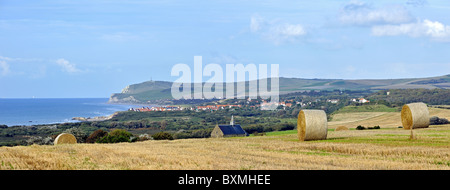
(67, 67)
(285, 33)
(288, 30)
(256, 23)
(393, 20)
(426, 28)
(417, 3)
(4, 68)
(35, 67)
(5, 58)
(119, 37)
(21, 66)
(275, 31)
(362, 14)
(436, 29)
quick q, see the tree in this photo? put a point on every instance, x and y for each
(96, 135)
(162, 136)
(438, 121)
(116, 136)
(359, 127)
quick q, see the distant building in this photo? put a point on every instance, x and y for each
(286, 104)
(216, 107)
(269, 104)
(231, 130)
(161, 108)
(360, 100)
(363, 100)
(333, 101)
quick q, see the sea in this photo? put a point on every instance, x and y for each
(35, 111)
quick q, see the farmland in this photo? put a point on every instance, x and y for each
(387, 148)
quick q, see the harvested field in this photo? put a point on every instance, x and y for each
(387, 148)
(383, 119)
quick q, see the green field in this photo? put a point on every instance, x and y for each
(367, 108)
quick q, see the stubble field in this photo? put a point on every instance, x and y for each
(384, 149)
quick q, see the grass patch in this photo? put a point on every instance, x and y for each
(288, 132)
(435, 131)
(447, 163)
(277, 133)
(391, 135)
(394, 140)
(366, 108)
(436, 135)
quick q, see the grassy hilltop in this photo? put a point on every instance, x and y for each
(160, 91)
(387, 148)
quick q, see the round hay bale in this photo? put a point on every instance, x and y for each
(341, 128)
(312, 125)
(65, 138)
(415, 115)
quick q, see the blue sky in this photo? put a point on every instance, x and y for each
(92, 48)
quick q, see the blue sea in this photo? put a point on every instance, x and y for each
(54, 110)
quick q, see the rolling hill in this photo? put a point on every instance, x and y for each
(151, 91)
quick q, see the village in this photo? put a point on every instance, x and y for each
(251, 103)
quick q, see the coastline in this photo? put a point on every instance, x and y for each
(50, 111)
(97, 118)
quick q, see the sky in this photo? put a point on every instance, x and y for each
(93, 48)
